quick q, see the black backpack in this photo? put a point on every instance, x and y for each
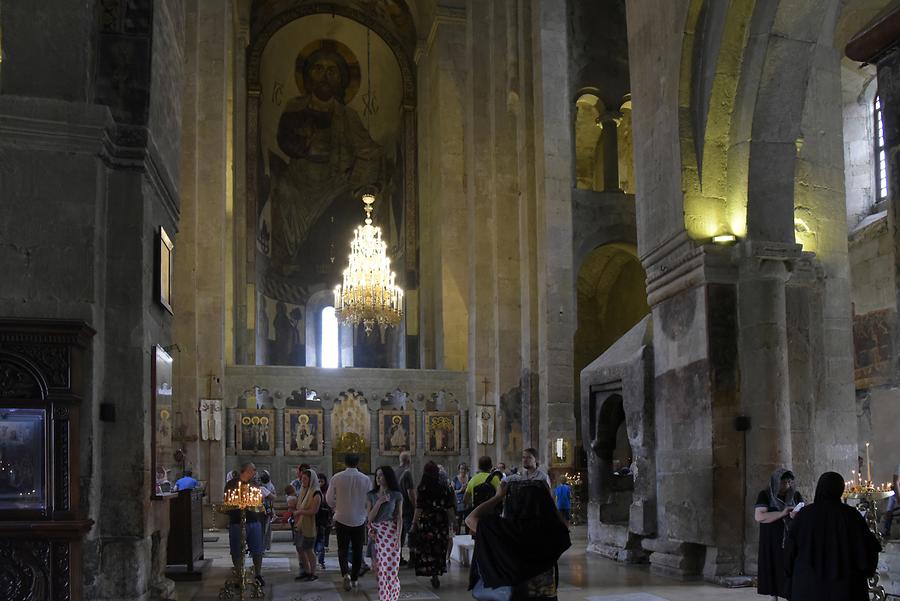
(485, 491)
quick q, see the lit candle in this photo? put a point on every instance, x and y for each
(868, 465)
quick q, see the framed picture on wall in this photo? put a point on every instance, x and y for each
(161, 417)
(561, 453)
(396, 431)
(255, 432)
(165, 270)
(303, 430)
(441, 433)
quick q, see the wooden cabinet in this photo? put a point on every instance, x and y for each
(186, 529)
(42, 369)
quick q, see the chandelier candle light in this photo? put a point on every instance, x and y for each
(369, 293)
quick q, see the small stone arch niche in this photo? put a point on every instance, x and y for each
(614, 460)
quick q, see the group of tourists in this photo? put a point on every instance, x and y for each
(509, 511)
(822, 551)
(471, 491)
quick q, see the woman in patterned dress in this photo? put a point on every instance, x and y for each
(432, 521)
(384, 504)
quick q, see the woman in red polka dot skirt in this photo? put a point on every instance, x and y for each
(385, 506)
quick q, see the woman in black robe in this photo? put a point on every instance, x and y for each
(830, 552)
(775, 508)
(518, 551)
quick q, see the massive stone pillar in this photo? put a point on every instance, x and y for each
(444, 290)
(200, 269)
(519, 226)
(89, 143)
(553, 219)
(765, 375)
(482, 221)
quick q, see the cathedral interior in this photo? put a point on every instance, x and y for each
(656, 236)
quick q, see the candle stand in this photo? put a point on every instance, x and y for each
(242, 584)
(867, 497)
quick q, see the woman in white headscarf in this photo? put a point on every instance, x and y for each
(776, 506)
(308, 500)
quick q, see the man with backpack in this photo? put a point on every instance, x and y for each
(483, 485)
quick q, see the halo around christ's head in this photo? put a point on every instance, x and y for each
(346, 61)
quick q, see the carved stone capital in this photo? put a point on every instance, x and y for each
(762, 259)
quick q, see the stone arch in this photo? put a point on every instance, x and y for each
(21, 379)
(611, 298)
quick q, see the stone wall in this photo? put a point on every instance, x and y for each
(874, 326)
(86, 185)
(874, 300)
(858, 87)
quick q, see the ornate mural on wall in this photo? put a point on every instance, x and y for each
(256, 431)
(441, 433)
(872, 347)
(351, 430)
(303, 432)
(396, 431)
(330, 126)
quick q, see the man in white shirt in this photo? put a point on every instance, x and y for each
(530, 470)
(347, 496)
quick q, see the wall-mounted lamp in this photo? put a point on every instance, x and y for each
(724, 239)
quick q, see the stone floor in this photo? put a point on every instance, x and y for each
(583, 577)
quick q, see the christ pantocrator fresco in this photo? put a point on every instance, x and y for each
(332, 158)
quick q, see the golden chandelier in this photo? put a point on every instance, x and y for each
(368, 294)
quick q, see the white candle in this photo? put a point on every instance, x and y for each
(868, 465)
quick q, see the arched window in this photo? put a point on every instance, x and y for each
(330, 351)
(881, 180)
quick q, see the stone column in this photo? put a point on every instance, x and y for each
(889, 92)
(374, 439)
(482, 218)
(553, 222)
(763, 348)
(279, 431)
(327, 439)
(230, 416)
(200, 252)
(609, 139)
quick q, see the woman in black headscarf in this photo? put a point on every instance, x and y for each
(830, 552)
(519, 550)
(775, 508)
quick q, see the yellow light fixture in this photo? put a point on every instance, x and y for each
(724, 239)
(369, 293)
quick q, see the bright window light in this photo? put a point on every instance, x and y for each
(330, 339)
(881, 178)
